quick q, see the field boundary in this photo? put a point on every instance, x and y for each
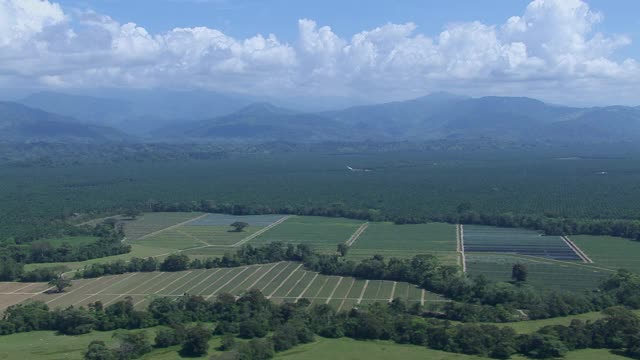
(261, 231)
(577, 250)
(357, 234)
(171, 227)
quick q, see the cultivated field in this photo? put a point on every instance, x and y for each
(12, 293)
(543, 273)
(280, 282)
(406, 241)
(610, 252)
(321, 233)
(491, 239)
(152, 222)
(201, 231)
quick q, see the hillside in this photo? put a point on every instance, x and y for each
(19, 123)
(260, 122)
(137, 111)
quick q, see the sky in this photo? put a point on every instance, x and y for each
(562, 51)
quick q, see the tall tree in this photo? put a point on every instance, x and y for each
(60, 283)
(519, 273)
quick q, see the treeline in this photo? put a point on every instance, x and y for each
(13, 257)
(476, 298)
(246, 255)
(266, 328)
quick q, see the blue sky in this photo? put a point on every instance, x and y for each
(243, 18)
(569, 51)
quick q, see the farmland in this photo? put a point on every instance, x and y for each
(322, 234)
(406, 241)
(515, 241)
(543, 273)
(199, 230)
(550, 262)
(610, 252)
(280, 282)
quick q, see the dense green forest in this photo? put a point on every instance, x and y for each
(44, 188)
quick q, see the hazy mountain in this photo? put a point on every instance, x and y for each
(185, 116)
(138, 111)
(606, 124)
(19, 123)
(401, 119)
(260, 122)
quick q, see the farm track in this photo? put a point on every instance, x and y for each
(357, 234)
(577, 250)
(460, 246)
(260, 232)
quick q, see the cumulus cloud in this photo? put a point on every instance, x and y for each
(550, 48)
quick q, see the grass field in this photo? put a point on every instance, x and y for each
(47, 345)
(280, 282)
(610, 252)
(405, 240)
(321, 233)
(543, 273)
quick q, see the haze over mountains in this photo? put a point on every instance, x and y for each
(210, 117)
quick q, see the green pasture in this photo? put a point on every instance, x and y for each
(393, 240)
(610, 252)
(321, 233)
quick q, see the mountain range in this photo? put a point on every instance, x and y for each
(218, 118)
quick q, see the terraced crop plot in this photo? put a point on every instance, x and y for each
(542, 273)
(321, 233)
(515, 241)
(406, 240)
(280, 282)
(206, 230)
(610, 252)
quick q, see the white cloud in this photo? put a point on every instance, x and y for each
(553, 42)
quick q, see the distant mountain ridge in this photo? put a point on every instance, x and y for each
(20, 123)
(432, 117)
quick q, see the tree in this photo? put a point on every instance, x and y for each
(239, 226)
(97, 350)
(132, 213)
(133, 345)
(60, 283)
(519, 273)
(227, 342)
(175, 262)
(197, 341)
(343, 249)
(167, 337)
